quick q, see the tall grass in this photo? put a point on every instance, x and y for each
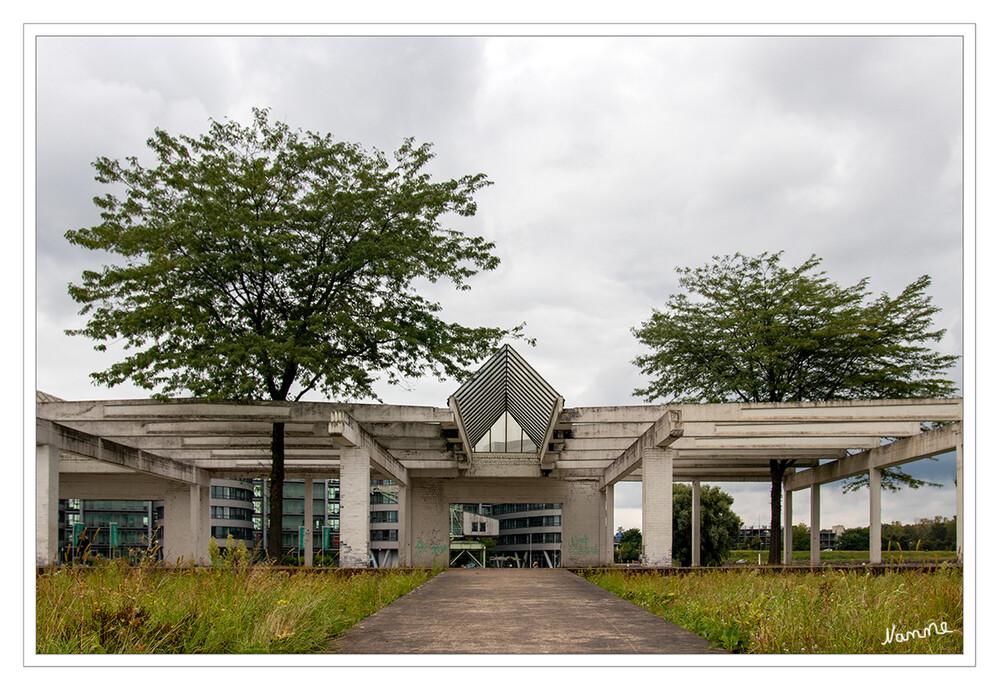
(238, 609)
(830, 612)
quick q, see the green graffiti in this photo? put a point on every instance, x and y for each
(580, 546)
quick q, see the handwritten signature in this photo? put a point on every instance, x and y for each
(917, 633)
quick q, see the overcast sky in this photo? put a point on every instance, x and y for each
(614, 161)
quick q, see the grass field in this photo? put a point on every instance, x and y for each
(118, 609)
(832, 612)
(805, 557)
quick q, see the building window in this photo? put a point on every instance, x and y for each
(506, 436)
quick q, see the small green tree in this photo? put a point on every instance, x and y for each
(801, 537)
(753, 330)
(262, 263)
(629, 548)
(719, 525)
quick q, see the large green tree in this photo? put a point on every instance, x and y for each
(719, 525)
(754, 330)
(260, 262)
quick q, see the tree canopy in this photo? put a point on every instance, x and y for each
(753, 330)
(750, 329)
(260, 262)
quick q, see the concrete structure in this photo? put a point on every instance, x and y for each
(505, 437)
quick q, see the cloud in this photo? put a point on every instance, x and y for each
(615, 160)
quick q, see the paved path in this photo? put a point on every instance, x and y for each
(515, 611)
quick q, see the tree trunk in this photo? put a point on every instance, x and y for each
(275, 505)
(777, 468)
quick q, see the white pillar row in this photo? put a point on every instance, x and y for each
(403, 527)
(46, 504)
(816, 528)
(788, 527)
(695, 523)
(607, 525)
(875, 516)
(657, 507)
(355, 497)
(959, 518)
(307, 520)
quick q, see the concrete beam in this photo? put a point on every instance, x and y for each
(345, 430)
(924, 445)
(665, 432)
(89, 446)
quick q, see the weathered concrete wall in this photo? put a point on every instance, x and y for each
(583, 513)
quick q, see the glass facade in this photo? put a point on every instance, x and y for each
(505, 436)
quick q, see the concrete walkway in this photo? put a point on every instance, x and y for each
(515, 611)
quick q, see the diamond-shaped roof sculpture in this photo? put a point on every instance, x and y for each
(506, 383)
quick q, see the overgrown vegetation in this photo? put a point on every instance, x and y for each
(833, 612)
(230, 608)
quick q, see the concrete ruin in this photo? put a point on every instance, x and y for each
(504, 437)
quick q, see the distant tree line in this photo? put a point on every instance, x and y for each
(937, 534)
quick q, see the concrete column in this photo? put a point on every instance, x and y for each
(788, 528)
(186, 523)
(607, 517)
(582, 528)
(428, 522)
(875, 516)
(355, 516)
(404, 528)
(695, 524)
(657, 507)
(46, 504)
(306, 547)
(959, 518)
(816, 529)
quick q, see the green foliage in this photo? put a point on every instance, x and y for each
(719, 528)
(801, 538)
(756, 331)
(833, 612)
(117, 609)
(753, 330)
(719, 525)
(937, 534)
(261, 263)
(629, 548)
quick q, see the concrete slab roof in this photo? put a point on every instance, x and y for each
(716, 442)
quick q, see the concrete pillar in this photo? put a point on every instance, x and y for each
(355, 497)
(306, 547)
(695, 524)
(959, 518)
(788, 528)
(657, 507)
(428, 522)
(816, 528)
(607, 518)
(186, 523)
(404, 528)
(46, 504)
(582, 528)
(875, 516)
